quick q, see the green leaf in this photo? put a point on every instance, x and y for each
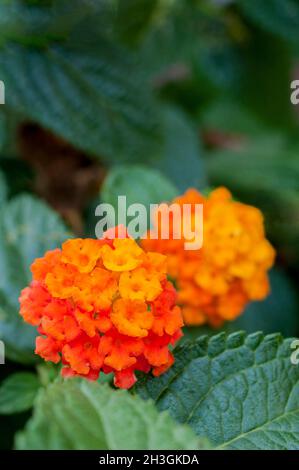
(133, 18)
(3, 190)
(17, 392)
(139, 184)
(240, 392)
(270, 100)
(182, 159)
(36, 23)
(17, 174)
(266, 173)
(2, 131)
(28, 228)
(277, 16)
(229, 116)
(169, 43)
(85, 96)
(78, 414)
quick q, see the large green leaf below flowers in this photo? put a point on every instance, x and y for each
(78, 414)
(241, 392)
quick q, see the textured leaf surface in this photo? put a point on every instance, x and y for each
(88, 97)
(17, 392)
(28, 228)
(83, 415)
(240, 392)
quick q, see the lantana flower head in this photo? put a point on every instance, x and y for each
(103, 306)
(216, 282)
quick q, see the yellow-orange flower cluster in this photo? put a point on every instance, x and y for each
(103, 305)
(217, 281)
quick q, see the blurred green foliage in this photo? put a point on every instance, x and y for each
(158, 96)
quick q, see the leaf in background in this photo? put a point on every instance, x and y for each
(3, 190)
(228, 115)
(92, 98)
(264, 173)
(234, 66)
(84, 415)
(265, 79)
(21, 22)
(139, 184)
(182, 159)
(133, 17)
(36, 24)
(240, 392)
(280, 17)
(169, 43)
(17, 174)
(28, 228)
(17, 392)
(2, 130)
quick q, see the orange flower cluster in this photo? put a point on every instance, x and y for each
(103, 305)
(217, 281)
